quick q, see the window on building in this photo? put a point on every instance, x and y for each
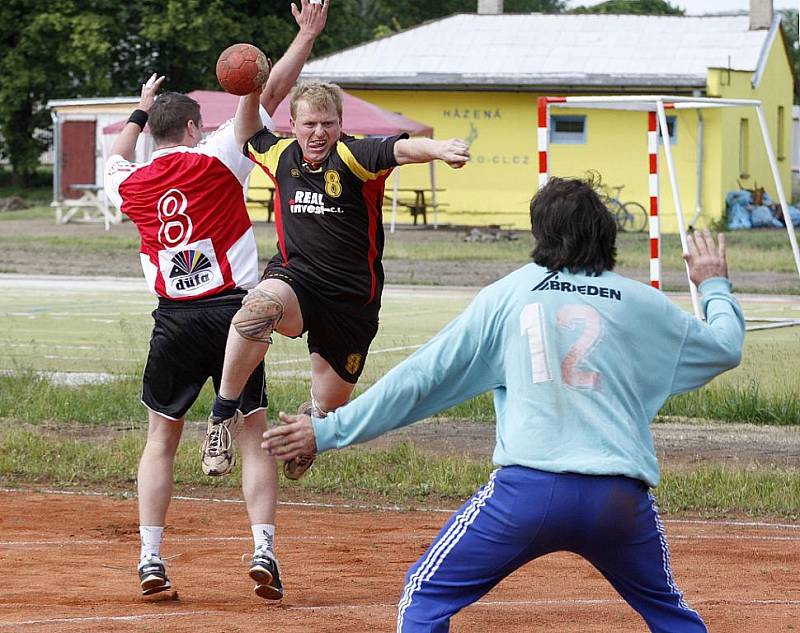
(781, 149)
(672, 129)
(744, 148)
(568, 129)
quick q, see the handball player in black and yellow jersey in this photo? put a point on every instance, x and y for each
(327, 277)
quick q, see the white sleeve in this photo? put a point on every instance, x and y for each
(221, 143)
(117, 170)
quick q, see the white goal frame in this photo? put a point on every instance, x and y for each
(656, 106)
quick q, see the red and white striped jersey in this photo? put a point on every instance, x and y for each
(188, 204)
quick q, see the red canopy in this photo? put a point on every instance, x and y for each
(358, 116)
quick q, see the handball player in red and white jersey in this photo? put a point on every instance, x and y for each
(198, 254)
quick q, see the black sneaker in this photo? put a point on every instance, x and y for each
(153, 576)
(264, 570)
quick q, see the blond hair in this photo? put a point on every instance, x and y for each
(319, 95)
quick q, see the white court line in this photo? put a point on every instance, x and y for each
(111, 618)
(354, 607)
(375, 508)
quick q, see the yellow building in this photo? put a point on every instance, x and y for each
(477, 77)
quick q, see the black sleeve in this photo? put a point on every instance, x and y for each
(259, 143)
(375, 154)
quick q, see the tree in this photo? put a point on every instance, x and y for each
(789, 22)
(49, 50)
(635, 7)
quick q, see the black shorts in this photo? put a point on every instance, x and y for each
(339, 331)
(187, 347)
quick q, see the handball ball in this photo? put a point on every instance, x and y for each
(242, 69)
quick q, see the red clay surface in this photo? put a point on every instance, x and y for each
(68, 564)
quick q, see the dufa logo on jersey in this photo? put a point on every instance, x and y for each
(310, 202)
(552, 282)
(190, 269)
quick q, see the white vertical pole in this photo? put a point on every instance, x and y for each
(433, 196)
(394, 197)
(779, 186)
(676, 195)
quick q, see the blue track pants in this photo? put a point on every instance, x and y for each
(522, 514)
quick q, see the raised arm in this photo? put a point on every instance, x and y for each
(311, 18)
(454, 151)
(715, 346)
(125, 144)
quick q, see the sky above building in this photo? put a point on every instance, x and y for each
(701, 7)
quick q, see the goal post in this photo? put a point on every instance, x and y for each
(656, 106)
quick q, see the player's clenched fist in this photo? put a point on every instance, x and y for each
(455, 153)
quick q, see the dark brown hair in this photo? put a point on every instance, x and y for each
(572, 228)
(169, 115)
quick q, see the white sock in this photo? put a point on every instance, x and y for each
(151, 540)
(263, 534)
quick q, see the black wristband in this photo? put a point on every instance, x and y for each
(139, 117)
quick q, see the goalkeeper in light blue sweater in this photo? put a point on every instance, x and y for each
(580, 360)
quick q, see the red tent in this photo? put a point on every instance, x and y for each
(358, 117)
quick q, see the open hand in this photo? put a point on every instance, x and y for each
(149, 91)
(705, 258)
(311, 16)
(295, 437)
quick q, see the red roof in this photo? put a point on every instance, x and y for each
(358, 116)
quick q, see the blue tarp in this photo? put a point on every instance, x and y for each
(743, 214)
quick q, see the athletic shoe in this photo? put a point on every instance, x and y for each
(152, 576)
(297, 466)
(264, 570)
(217, 454)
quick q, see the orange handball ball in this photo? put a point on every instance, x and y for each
(242, 69)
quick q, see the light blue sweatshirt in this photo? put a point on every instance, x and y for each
(579, 366)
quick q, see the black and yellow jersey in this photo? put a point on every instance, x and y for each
(328, 216)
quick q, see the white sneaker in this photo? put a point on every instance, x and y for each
(217, 455)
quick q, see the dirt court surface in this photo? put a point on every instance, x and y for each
(68, 565)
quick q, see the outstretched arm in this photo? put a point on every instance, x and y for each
(450, 368)
(311, 18)
(454, 151)
(125, 144)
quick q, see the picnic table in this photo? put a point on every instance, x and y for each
(91, 206)
(417, 204)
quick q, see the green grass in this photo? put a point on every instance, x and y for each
(39, 212)
(107, 331)
(718, 491)
(402, 474)
(758, 251)
(114, 244)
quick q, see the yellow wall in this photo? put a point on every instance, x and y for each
(496, 187)
(774, 90)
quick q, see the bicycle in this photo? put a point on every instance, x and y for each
(630, 216)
